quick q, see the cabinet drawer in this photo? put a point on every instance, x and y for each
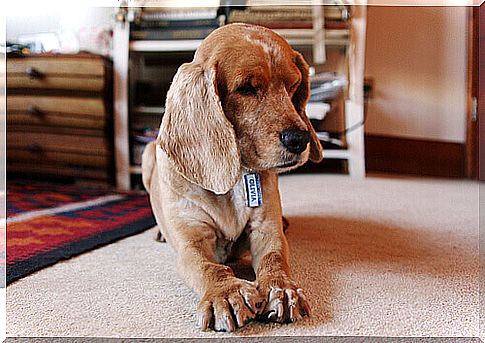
(56, 72)
(64, 171)
(48, 142)
(56, 111)
(36, 154)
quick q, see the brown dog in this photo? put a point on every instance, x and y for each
(235, 117)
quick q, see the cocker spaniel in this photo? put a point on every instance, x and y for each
(235, 118)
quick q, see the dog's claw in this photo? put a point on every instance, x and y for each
(159, 237)
(275, 305)
(224, 324)
(272, 316)
(222, 314)
(286, 304)
(304, 305)
(253, 301)
(292, 299)
(281, 312)
(204, 323)
(229, 307)
(205, 315)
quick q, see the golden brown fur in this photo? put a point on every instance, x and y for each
(225, 112)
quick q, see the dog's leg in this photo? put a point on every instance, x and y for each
(227, 302)
(285, 302)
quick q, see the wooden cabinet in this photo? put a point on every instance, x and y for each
(59, 117)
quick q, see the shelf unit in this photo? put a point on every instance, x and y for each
(354, 102)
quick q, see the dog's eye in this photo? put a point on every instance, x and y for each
(294, 86)
(247, 89)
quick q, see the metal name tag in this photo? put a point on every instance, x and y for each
(254, 197)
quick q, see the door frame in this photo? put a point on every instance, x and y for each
(472, 127)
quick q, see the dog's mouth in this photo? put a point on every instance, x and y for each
(282, 162)
(288, 164)
(289, 161)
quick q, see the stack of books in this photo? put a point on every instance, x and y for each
(274, 16)
(326, 86)
(324, 89)
(140, 139)
(174, 23)
(295, 23)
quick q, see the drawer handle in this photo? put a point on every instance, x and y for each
(35, 148)
(35, 111)
(34, 74)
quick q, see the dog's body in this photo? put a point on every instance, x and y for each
(226, 116)
(227, 215)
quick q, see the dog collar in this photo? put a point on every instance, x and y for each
(252, 183)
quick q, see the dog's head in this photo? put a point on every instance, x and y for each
(240, 103)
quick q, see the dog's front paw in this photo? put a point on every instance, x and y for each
(285, 302)
(229, 305)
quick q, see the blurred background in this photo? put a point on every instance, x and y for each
(394, 89)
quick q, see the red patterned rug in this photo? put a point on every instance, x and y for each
(47, 223)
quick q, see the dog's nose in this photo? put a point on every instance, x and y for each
(295, 140)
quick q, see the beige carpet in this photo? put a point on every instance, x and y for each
(380, 257)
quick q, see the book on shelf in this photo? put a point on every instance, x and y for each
(258, 4)
(145, 136)
(309, 33)
(326, 86)
(140, 139)
(336, 13)
(287, 24)
(306, 36)
(317, 110)
(172, 3)
(175, 23)
(182, 23)
(254, 16)
(171, 34)
(333, 7)
(264, 14)
(336, 25)
(329, 25)
(164, 13)
(149, 110)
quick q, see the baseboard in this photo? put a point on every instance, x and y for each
(414, 156)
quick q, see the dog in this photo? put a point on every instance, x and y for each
(234, 119)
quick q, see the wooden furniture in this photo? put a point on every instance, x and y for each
(350, 107)
(59, 117)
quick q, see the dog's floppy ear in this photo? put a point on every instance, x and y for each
(300, 99)
(195, 133)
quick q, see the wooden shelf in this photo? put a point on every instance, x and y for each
(135, 169)
(148, 110)
(336, 154)
(302, 37)
(164, 45)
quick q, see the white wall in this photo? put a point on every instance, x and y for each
(77, 22)
(417, 57)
